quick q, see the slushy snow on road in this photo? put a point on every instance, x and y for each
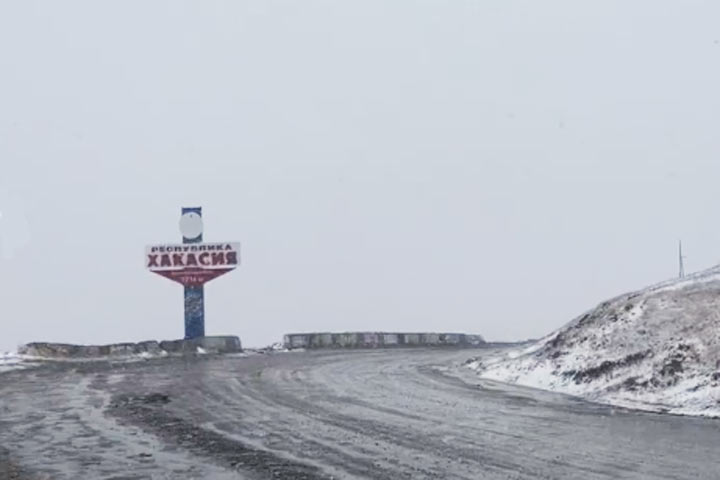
(656, 349)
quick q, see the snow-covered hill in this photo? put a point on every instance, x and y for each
(655, 349)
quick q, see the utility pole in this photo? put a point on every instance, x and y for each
(682, 260)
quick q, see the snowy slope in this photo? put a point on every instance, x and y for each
(656, 349)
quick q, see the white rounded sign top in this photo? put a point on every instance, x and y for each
(191, 225)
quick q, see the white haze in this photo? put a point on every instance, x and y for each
(478, 166)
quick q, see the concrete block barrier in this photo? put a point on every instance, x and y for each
(323, 340)
(220, 344)
(64, 350)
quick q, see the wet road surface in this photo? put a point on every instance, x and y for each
(385, 414)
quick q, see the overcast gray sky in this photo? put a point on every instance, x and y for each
(495, 167)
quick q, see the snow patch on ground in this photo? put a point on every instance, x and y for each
(149, 355)
(657, 349)
(11, 361)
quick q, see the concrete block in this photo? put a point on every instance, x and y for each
(173, 346)
(450, 339)
(474, 340)
(121, 350)
(390, 339)
(412, 339)
(347, 340)
(298, 341)
(370, 340)
(152, 347)
(217, 344)
(220, 344)
(321, 340)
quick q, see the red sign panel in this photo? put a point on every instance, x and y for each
(192, 264)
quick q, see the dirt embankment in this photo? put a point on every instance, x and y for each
(655, 349)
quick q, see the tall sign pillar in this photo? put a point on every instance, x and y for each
(191, 227)
(192, 264)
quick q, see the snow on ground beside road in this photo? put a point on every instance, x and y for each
(657, 349)
(10, 361)
(14, 361)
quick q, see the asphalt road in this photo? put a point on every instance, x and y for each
(388, 414)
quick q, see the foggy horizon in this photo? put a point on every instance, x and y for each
(387, 166)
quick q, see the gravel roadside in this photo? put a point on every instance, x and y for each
(10, 470)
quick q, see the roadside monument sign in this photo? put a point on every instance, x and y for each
(192, 264)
